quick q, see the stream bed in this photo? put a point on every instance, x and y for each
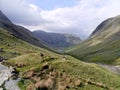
(5, 79)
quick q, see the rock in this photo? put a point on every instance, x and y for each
(46, 66)
(1, 88)
(14, 72)
(1, 49)
(1, 58)
(5, 79)
(64, 57)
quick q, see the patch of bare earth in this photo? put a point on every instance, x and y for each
(48, 78)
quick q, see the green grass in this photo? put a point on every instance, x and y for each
(19, 51)
(72, 67)
(103, 46)
(117, 61)
(106, 52)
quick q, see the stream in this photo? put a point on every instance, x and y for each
(6, 83)
(111, 68)
(5, 79)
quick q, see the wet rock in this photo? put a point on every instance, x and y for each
(4, 79)
(14, 73)
(1, 88)
(12, 85)
(13, 70)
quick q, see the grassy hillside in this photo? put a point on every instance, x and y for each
(19, 31)
(69, 74)
(40, 68)
(12, 46)
(103, 46)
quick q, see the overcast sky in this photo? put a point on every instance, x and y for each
(78, 17)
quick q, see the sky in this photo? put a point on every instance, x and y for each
(78, 17)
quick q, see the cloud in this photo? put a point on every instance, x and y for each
(83, 18)
(80, 19)
(20, 12)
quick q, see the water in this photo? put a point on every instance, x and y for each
(5, 74)
(12, 85)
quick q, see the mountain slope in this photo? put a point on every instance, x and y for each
(19, 31)
(103, 45)
(40, 69)
(56, 40)
(68, 73)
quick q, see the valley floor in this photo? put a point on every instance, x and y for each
(111, 68)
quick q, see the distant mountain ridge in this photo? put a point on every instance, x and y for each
(56, 40)
(103, 45)
(19, 31)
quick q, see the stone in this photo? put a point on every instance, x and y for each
(1, 58)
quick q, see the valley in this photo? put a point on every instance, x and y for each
(63, 40)
(103, 45)
(90, 65)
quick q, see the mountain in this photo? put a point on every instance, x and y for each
(103, 45)
(56, 40)
(19, 31)
(40, 69)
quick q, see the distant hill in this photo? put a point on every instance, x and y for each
(103, 45)
(56, 40)
(19, 31)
